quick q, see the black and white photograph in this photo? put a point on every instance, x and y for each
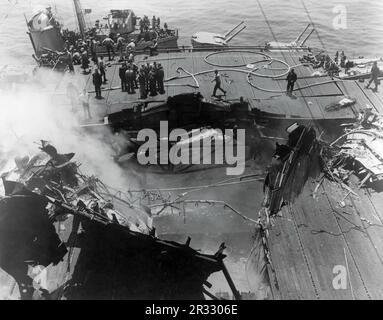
(201, 151)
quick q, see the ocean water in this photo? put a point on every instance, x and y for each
(354, 26)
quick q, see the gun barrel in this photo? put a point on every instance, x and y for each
(305, 39)
(227, 33)
(301, 34)
(232, 36)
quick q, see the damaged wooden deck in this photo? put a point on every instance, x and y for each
(314, 236)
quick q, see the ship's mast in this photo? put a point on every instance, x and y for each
(80, 17)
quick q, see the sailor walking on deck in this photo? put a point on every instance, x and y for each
(291, 79)
(217, 80)
(374, 76)
(108, 43)
(97, 82)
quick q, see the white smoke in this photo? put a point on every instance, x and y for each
(29, 112)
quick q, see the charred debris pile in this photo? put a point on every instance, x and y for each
(357, 152)
(110, 249)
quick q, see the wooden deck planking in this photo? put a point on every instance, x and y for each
(372, 98)
(321, 257)
(363, 253)
(323, 250)
(288, 256)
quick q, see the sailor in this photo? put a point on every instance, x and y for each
(291, 78)
(135, 73)
(130, 57)
(129, 80)
(84, 98)
(374, 76)
(217, 80)
(76, 57)
(367, 116)
(120, 46)
(69, 59)
(147, 36)
(158, 23)
(130, 47)
(101, 66)
(152, 83)
(160, 79)
(92, 46)
(84, 60)
(97, 82)
(121, 73)
(343, 59)
(108, 43)
(153, 48)
(336, 57)
(147, 72)
(154, 20)
(142, 83)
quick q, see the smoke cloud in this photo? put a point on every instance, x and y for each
(29, 113)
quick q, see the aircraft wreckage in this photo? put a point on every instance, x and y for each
(89, 243)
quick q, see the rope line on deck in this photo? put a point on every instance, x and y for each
(250, 73)
(268, 58)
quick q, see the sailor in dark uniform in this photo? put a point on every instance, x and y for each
(147, 69)
(121, 73)
(160, 79)
(129, 80)
(84, 60)
(374, 76)
(152, 83)
(291, 79)
(97, 82)
(217, 80)
(142, 82)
